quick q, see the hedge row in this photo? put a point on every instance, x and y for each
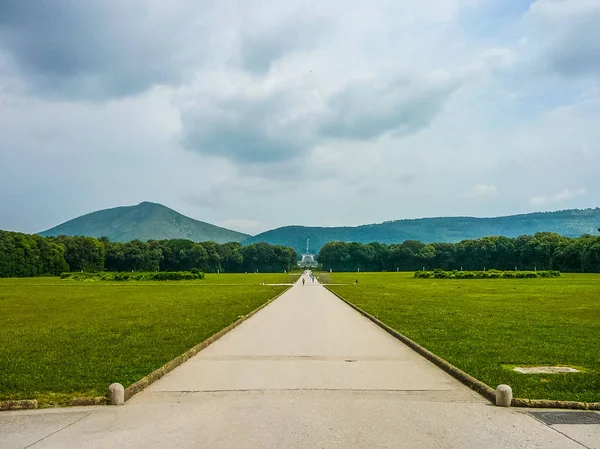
(136, 276)
(489, 274)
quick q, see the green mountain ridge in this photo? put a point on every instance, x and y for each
(570, 223)
(152, 221)
(145, 221)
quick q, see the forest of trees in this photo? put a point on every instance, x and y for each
(31, 255)
(542, 251)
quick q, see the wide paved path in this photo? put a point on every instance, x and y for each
(307, 372)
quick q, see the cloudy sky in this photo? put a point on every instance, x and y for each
(254, 114)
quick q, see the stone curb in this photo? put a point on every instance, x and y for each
(483, 389)
(138, 386)
(98, 400)
(548, 403)
(24, 404)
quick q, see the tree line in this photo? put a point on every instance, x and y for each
(24, 255)
(542, 251)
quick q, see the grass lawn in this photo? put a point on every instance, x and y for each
(61, 339)
(487, 326)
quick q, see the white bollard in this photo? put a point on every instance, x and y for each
(116, 394)
(503, 396)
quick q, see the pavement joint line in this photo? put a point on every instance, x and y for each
(556, 430)
(243, 390)
(59, 430)
(315, 358)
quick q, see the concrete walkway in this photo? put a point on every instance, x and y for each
(305, 372)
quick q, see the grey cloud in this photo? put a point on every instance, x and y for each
(565, 36)
(94, 48)
(242, 129)
(577, 51)
(370, 109)
(101, 49)
(258, 54)
(260, 50)
(242, 142)
(279, 126)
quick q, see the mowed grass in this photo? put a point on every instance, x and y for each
(487, 326)
(61, 339)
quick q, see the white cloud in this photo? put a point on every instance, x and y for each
(243, 225)
(483, 192)
(557, 198)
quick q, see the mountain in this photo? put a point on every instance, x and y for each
(570, 223)
(146, 221)
(153, 221)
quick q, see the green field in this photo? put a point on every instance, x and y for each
(487, 326)
(62, 339)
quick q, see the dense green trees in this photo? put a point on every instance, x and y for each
(32, 255)
(132, 256)
(265, 257)
(542, 251)
(82, 253)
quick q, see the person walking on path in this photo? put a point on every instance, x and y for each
(302, 281)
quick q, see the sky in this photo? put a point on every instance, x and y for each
(255, 114)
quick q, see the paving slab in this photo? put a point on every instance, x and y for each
(586, 434)
(23, 430)
(285, 419)
(307, 371)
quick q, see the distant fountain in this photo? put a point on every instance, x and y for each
(308, 259)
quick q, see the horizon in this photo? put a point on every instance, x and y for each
(314, 226)
(338, 113)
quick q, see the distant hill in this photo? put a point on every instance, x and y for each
(570, 223)
(146, 221)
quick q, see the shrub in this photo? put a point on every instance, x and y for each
(137, 276)
(490, 274)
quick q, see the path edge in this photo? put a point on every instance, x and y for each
(155, 375)
(475, 384)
